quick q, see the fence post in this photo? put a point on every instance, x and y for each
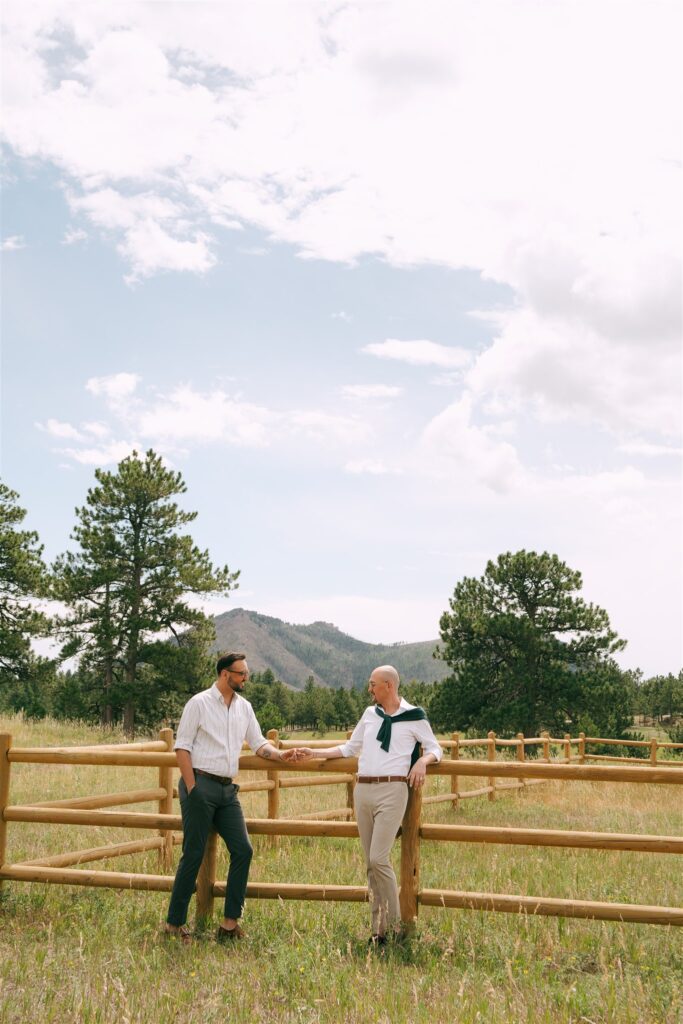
(410, 859)
(653, 751)
(567, 748)
(350, 786)
(273, 775)
(455, 781)
(166, 803)
(546, 746)
(5, 744)
(582, 748)
(492, 757)
(521, 753)
(205, 881)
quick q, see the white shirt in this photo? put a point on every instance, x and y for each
(404, 735)
(213, 732)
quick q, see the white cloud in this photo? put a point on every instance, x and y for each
(373, 467)
(73, 235)
(56, 428)
(370, 391)
(647, 449)
(186, 416)
(12, 243)
(114, 387)
(168, 126)
(419, 353)
(452, 446)
(105, 455)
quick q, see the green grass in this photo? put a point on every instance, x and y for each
(96, 956)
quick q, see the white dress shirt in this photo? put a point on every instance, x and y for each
(404, 735)
(213, 732)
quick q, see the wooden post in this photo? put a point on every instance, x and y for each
(455, 781)
(5, 744)
(410, 860)
(567, 748)
(582, 748)
(546, 746)
(205, 881)
(653, 751)
(350, 786)
(492, 757)
(166, 804)
(521, 752)
(273, 776)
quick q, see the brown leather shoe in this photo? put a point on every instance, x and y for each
(181, 933)
(229, 934)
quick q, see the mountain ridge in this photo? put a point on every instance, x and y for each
(293, 652)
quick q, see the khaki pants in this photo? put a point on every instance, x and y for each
(380, 807)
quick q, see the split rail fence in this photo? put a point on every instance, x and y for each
(157, 754)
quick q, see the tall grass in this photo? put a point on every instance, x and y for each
(96, 956)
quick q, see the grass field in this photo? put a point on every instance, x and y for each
(96, 955)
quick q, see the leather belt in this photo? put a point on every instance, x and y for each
(381, 778)
(224, 780)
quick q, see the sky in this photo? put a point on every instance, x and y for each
(395, 287)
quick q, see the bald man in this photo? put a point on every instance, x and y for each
(386, 741)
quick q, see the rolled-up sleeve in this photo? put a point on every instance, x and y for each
(187, 727)
(353, 745)
(430, 744)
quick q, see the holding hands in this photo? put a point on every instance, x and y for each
(298, 754)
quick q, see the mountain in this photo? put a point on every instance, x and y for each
(320, 650)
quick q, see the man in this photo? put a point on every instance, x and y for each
(387, 738)
(213, 726)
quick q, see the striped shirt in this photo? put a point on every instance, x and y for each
(213, 732)
(404, 735)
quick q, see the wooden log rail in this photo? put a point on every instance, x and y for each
(89, 811)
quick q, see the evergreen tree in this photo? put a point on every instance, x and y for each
(130, 579)
(22, 577)
(524, 649)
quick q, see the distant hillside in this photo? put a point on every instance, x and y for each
(320, 650)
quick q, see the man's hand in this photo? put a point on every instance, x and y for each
(293, 755)
(304, 754)
(418, 773)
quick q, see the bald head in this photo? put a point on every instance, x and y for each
(383, 687)
(388, 674)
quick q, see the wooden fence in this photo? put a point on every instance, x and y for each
(158, 755)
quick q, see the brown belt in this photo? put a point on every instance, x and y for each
(224, 780)
(381, 778)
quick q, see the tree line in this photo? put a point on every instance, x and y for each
(525, 650)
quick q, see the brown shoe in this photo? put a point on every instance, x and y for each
(182, 933)
(229, 934)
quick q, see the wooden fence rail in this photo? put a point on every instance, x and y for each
(58, 869)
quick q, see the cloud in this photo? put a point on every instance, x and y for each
(452, 446)
(105, 455)
(58, 429)
(419, 353)
(373, 467)
(12, 243)
(369, 391)
(73, 235)
(167, 127)
(114, 387)
(648, 450)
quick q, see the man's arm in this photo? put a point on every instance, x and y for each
(324, 753)
(186, 770)
(418, 772)
(271, 753)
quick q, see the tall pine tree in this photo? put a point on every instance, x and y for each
(131, 576)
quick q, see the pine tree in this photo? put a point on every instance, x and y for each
(130, 578)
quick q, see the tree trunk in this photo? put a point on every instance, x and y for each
(129, 719)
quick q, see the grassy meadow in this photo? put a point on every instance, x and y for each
(96, 956)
